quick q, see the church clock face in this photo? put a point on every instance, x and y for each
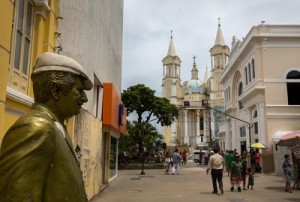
(217, 76)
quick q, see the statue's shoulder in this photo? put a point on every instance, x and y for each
(36, 118)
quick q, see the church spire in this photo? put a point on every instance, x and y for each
(194, 70)
(171, 51)
(205, 79)
(219, 38)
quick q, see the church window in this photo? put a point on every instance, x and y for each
(293, 87)
(21, 46)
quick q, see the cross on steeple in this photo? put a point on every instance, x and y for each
(194, 59)
(219, 19)
(171, 33)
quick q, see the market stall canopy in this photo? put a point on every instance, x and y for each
(290, 139)
(259, 145)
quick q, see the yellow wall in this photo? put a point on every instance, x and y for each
(6, 15)
(43, 40)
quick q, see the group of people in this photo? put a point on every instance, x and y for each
(173, 161)
(237, 169)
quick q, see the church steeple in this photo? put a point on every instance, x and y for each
(194, 70)
(205, 79)
(219, 38)
(171, 51)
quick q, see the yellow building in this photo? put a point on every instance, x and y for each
(31, 27)
(27, 29)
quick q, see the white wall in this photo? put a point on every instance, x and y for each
(92, 34)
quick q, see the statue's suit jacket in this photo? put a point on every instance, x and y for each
(38, 162)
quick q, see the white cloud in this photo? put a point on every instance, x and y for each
(147, 25)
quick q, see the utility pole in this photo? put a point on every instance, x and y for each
(206, 104)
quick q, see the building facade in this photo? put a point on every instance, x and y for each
(91, 33)
(196, 125)
(260, 82)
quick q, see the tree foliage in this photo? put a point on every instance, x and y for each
(142, 100)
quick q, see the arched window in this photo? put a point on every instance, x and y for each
(253, 68)
(246, 75)
(293, 88)
(255, 114)
(240, 92)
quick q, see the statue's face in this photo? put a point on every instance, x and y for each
(70, 104)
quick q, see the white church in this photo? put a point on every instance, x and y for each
(195, 124)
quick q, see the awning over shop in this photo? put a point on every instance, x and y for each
(287, 138)
(279, 134)
(114, 112)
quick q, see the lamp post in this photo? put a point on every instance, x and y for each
(206, 104)
(143, 152)
(142, 131)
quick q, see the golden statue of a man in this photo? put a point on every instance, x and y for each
(37, 159)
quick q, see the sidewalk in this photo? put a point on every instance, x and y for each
(192, 185)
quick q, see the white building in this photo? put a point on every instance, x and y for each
(261, 84)
(91, 32)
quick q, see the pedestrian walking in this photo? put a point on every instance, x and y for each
(216, 164)
(287, 167)
(200, 157)
(244, 169)
(184, 157)
(167, 163)
(236, 173)
(176, 159)
(206, 156)
(250, 174)
(229, 158)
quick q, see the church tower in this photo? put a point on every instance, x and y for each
(219, 56)
(171, 88)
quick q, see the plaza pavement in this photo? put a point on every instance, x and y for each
(192, 185)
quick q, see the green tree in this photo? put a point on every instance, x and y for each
(141, 100)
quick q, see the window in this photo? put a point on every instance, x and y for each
(241, 106)
(243, 131)
(249, 71)
(240, 92)
(255, 114)
(246, 75)
(22, 36)
(255, 127)
(293, 88)
(253, 68)
(97, 98)
(201, 124)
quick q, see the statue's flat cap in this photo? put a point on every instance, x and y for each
(49, 61)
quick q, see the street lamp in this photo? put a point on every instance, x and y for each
(143, 152)
(142, 131)
(206, 105)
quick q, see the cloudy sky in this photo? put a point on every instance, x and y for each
(147, 26)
